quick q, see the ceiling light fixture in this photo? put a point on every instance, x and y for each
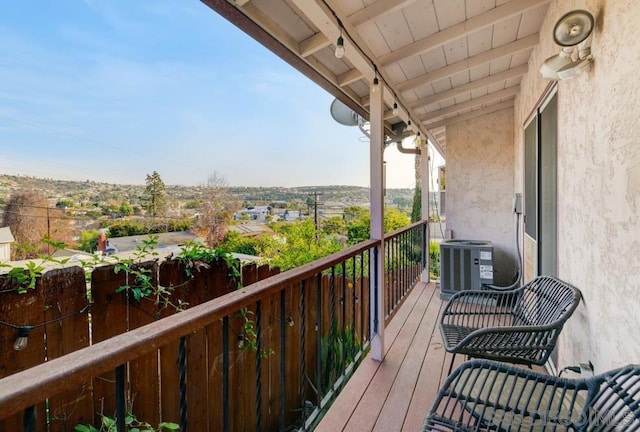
(395, 108)
(418, 140)
(376, 85)
(340, 46)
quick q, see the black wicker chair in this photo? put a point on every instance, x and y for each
(483, 395)
(518, 326)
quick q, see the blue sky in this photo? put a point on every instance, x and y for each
(113, 90)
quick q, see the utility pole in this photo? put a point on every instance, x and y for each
(315, 209)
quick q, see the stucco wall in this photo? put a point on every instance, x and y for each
(480, 190)
(598, 182)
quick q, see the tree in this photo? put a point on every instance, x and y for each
(156, 194)
(334, 225)
(31, 220)
(217, 209)
(88, 240)
(416, 209)
(126, 209)
(354, 212)
(358, 230)
(298, 244)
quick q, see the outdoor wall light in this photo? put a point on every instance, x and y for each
(339, 46)
(22, 338)
(290, 321)
(573, 30)
(395, 108)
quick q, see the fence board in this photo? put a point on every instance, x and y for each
(109, 318)
(65, 292)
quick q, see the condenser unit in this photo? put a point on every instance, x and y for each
(465, 265)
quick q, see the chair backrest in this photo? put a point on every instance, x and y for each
(545, 300)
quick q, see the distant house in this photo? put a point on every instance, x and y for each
(6, 239)
(253, 213)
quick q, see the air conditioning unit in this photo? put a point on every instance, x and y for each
(465, 265)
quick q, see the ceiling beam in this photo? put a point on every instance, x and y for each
(460, 30)
(472, 103)
(349, 77)
(471, 115)
(471, 62)
(377, 9)
(471, 86)
(313, 44)
(327, 17)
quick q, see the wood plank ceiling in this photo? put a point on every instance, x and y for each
(441, 61)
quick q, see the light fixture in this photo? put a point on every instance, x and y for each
(574, 28)
(409, 125)
(418, 140)
(240, 341)
(395, 108)
(22, 338)
(290, 321)
(376, 85)
(340, 46)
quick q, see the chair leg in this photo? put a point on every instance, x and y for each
(453, 357)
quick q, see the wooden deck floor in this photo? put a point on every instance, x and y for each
(395, 395)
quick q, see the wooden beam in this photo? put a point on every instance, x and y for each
(349, 77)
(471, 86)
(460, 30)
(471, 62)
(472, 103)
(375, 10)
(470, 115)
(313, 44)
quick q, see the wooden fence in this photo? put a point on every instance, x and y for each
(61, 322)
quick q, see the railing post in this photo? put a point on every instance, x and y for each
(225, 373)
(29, 419)
(182, 364)
(121, 407)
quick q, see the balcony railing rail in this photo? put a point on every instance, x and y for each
(405, 258)
(269, 356)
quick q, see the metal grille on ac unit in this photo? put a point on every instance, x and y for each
(465, 265)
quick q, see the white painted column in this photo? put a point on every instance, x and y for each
(425, 178)
(377, 289)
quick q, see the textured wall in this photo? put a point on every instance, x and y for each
(598, 182)
(480, 190)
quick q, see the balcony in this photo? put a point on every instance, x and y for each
(269, 356)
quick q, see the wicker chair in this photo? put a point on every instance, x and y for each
(484, 395)
(518, 326)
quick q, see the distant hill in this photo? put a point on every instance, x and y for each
(83, 194)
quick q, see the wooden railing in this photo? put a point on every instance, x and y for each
(269, 356)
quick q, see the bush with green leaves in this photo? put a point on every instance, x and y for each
(132, 424)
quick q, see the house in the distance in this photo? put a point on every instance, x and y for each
(6, 240)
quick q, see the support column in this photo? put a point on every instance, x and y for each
(377, 288)
(425, 178)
